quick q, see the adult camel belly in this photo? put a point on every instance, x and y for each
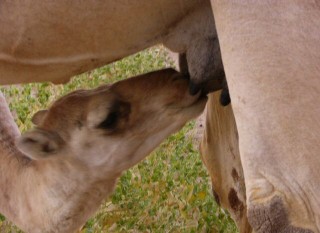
(271, 55)
(54, 40)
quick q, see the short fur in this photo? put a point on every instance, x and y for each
(70, 162)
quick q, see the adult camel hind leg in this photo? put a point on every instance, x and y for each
(271, 56)
(220, 154)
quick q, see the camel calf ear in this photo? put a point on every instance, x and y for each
(38, 117)
(40, 144)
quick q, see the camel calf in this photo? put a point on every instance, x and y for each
(71, 161)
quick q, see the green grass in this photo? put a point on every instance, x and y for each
(167, 192)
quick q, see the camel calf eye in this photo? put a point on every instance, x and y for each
(110, 122)
(118, 113)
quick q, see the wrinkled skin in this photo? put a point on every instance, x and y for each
(271, 56)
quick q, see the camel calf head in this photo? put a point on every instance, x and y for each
(115, 126)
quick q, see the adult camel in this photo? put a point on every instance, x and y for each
(271, 55)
